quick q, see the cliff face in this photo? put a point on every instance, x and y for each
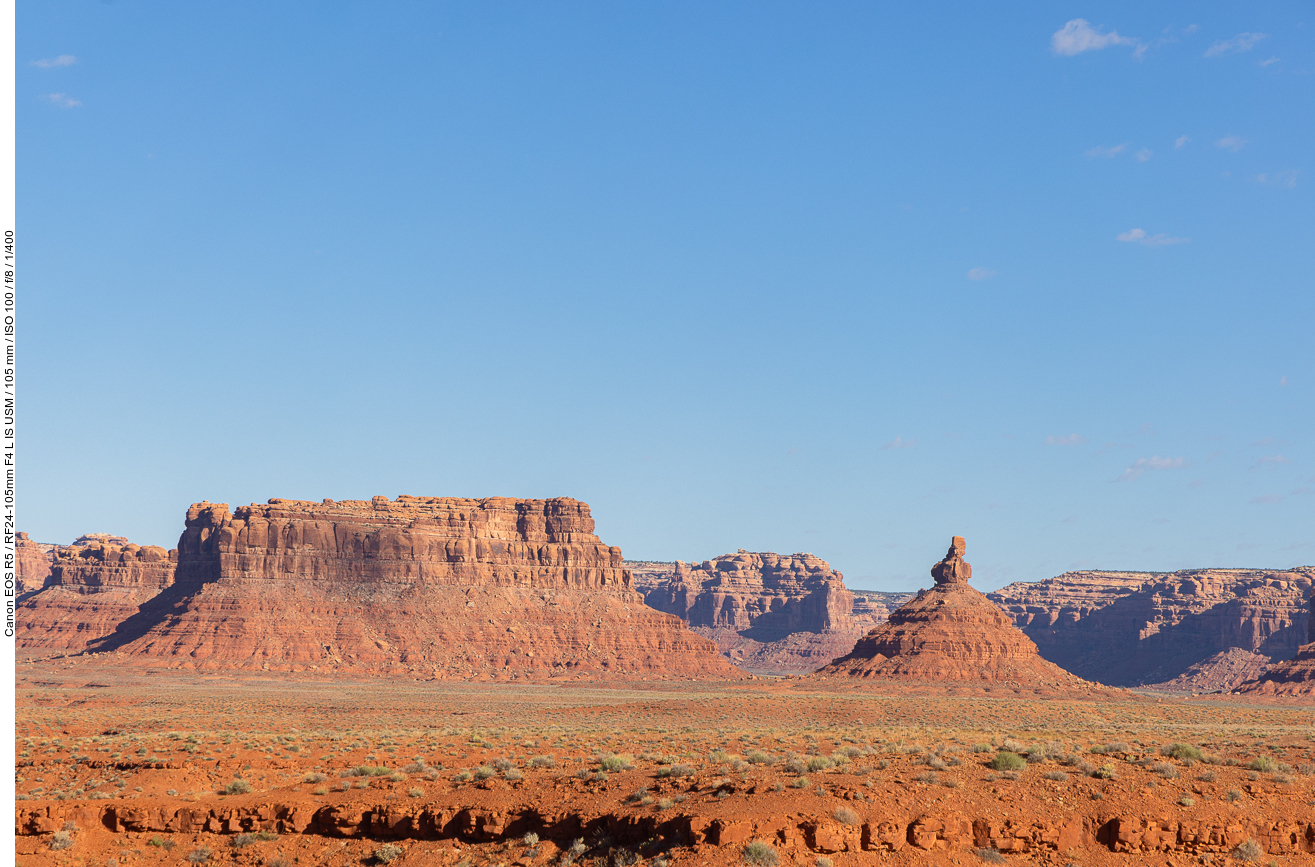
(1196, 630)
(950, 633)
(92, 587)
(1290, 677)
(31, 564)
(769, 613)
(426, 586)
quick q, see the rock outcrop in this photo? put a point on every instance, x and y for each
(768, 613)
(1201, 630)
(1291, 677)
(951, 633)
(91, 588)
(31, 564)
(423, 586)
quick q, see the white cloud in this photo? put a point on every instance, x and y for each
(1107, 152)
(1070, 440)
(899, 443)
(1078, 36)
(1139, 236)
(1279, 179)
(1155, 463)
(1239, 43)
(1180, 141)
(1268, 498)
(1144, 154)
(55, 62)
(1232, 143)
(63, 100)
(981, 274)
(1264, 63)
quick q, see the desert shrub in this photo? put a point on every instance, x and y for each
(760, 853)
(1262, 763)
(936, 762)
(1105, 772)
(396, 777)
(928, 777)
(1232, 796)
(277, 861)
(758, 757)
(531, 839)
(387, 853)
(61, 840)
(820, 763)
(514, 774)
(682, 771)
(503, 764)
(160, 843)
(1248, 852)
(982, 748)
(665, 804)
(1187, 801)
(416, 792)
(1006, 760)
(313, 778)
(1208, 777)
(365, 771)
(845, 816)
(1165, 770)
(991, 856)
(1057, 776)
(1282, 778)
(266, 835)
(461, 776)
(617, 763)
(796, 765)
(1182, 752)
(242, 841)
(1013, 746)
(199, 856)
(483, 772)
(543, 762)
(237, 787)
(822, 861)
(416, 767)
(800, 783)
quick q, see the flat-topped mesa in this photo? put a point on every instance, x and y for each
(31, 564)
(1293, 677)
(951, 633)
(438, 587)
(93, 586)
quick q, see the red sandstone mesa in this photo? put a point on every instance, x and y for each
(1292, 677)
(31, 564)
(92, 587)
(495, 588)
(1196, 630)
(769, 613)
(951, 633)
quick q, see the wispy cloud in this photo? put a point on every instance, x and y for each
(1142, 465)
(1070, 440)
(63, 100)
(1109, 153)
(1180, 141)
(1078, 36)
(55, 62)
(1232, 143)
(899, 443)
(981, 274)
(1268, 498)
(1239, 43)
(1144, 154)
(1139, 236)
(1270, 459)
(1263, 64)
(1279, 179)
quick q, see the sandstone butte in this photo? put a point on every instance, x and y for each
(428, 587)
(951, 633)
(31, 564)
(90, 588)
(768, 613)
(1201, 630)
(1291, 677)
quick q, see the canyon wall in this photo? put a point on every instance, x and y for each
(768, 613)
(1197, 630)
(92, 586)
(31, 564)
(433, 587)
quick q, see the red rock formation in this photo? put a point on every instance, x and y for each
(1291, 677)
(91, 589)
(1197, 630)
(31, 564)
(424, 586)
(950, 633)
(768, 613)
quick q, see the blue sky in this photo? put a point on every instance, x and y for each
(796, 277)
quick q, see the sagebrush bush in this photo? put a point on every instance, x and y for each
(1182, 752)
(387, 852)
(237, 787)
(991, 856)
(759, 853)
(1248, 852)
(845, 816)
(1006, 760)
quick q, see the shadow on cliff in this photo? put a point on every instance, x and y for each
(1122, 658)
(160, 609)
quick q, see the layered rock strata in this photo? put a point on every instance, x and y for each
(1200, 630)
(91, 588)
(425, 586)
(950, 633)
(31, 564)
(768, 613)
(1291, 677)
